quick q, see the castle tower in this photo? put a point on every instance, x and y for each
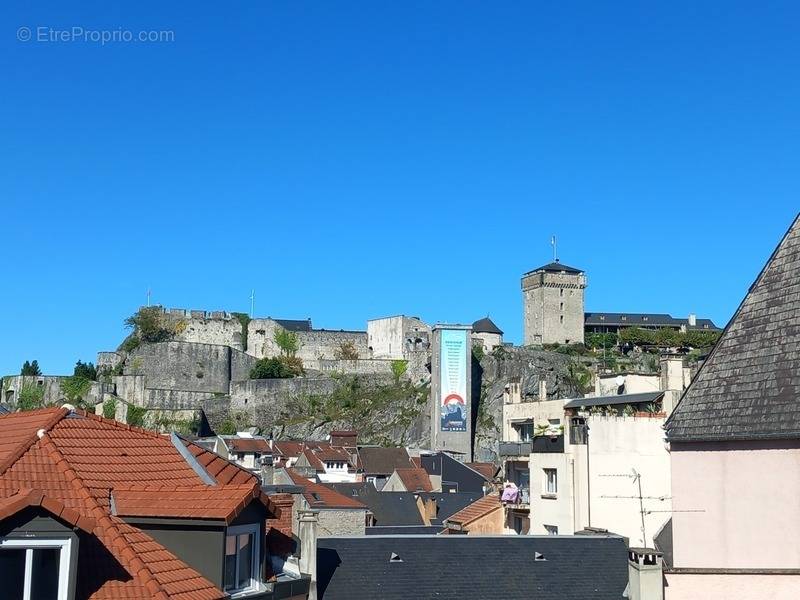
(552, 298)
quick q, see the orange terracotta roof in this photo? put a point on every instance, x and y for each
(25, 498)
(78, 460)
(488, 470)
(320, 496)
(477, 509)
(416, 461)
(193, 502)
(415, 479)
(247, 444)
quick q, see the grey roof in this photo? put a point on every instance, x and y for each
(486, 325)
(555, 267)
(467, 567)
(294, 324)
(749, 387)
(592, 319)
(383, 461)
(455, 475)
(639, 398)
(449, 503)
(388, 508)
(404, 530)
(4, 410)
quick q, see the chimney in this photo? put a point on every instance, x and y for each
(307, 532)
(267, 470)
(645, 574)
(542, 390)
(692, 320)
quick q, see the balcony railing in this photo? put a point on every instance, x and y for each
(515, 448)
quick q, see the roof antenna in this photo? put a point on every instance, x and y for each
(555, 248)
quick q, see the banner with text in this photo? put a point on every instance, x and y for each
(453, 379)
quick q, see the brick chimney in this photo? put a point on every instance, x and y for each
(645, 574)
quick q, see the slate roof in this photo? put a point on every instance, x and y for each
(591, 319)
(382, 461)
(449, 503)
(476, 510)
(640, 398)
(69, 463)
(486, 325)
(555, 267)
(749, 386)
(466, 567)
(294, 324)
(389, 509)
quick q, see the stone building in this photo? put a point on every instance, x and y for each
(486, 334)
(553, 301)
(396, 337)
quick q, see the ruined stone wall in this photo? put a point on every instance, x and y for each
(49, 386)
(276, 392)
(354, 367)
(108, 360)
(204, 327)
(314, 345)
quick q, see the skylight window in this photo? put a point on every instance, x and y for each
(395, 558)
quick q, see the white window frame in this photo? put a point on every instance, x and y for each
(31, 544)
(255, 575)
(547, 488)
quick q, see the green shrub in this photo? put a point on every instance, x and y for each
(110, 408)
(276, 368)
(135, 415)
(478, 352)
(399, 368)
(31, 396)
(244, 320)
(75, 388)
(287, 341)
(346, 351)
(149, 326)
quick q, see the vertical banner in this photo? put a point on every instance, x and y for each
(453, 380)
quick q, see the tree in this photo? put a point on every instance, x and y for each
(31, 369)
(85, 370)
(346, 351)
(668, 337)
(399, 368)
(148, 325)
(287, 341)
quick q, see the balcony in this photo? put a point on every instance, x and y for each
(515, 448)
(523, 499)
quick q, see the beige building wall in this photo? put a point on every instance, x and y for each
(538, 411)
(747, 495)
(731, 587)
(492, 523)
(489, 341)
(388, 336)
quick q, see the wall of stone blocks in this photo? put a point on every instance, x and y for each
(553, 308)
(182, 366)
(246, 394)
(341, 522)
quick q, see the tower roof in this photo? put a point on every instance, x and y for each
(748, 387)
(486, 325)
(556, 267)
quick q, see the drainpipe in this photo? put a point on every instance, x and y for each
(307, 532)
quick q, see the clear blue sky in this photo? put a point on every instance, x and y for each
(356, 159)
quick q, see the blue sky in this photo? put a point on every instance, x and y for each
(349, 160)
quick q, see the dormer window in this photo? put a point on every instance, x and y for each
(624, 318)
(644, 318)
(242, 559)
(35, 568)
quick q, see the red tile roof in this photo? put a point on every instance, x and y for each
(247, 445)
(477, 509)
(488, 470)
(75, 462)
(415, 479)
(320, 496)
